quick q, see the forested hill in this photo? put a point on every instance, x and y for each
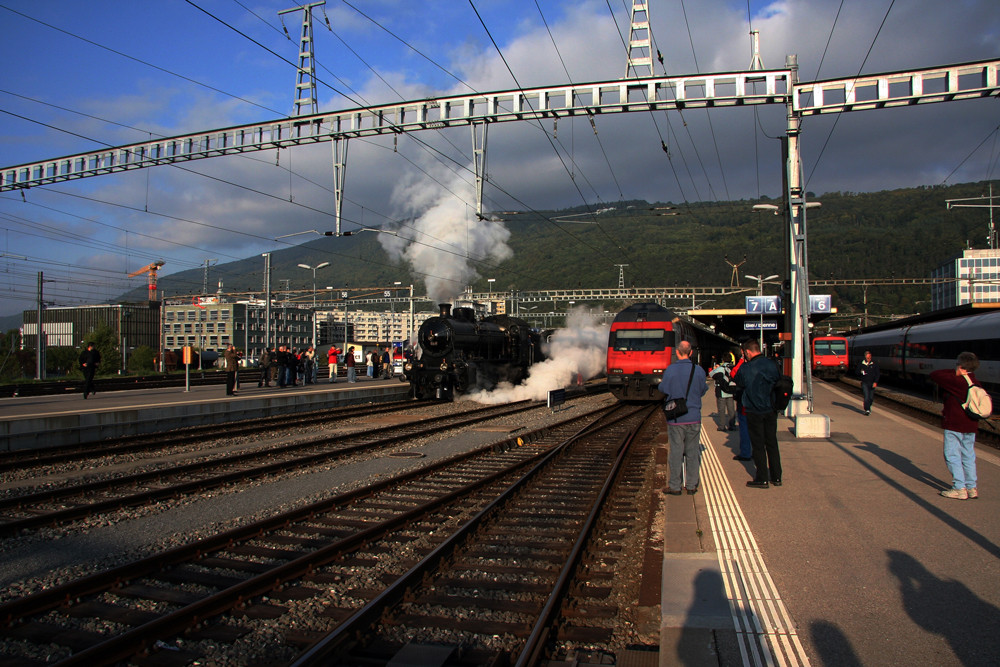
(901, 233)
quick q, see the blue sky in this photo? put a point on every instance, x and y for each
(212, 63)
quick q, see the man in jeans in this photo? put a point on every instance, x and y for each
(959, 430)
(684, 432)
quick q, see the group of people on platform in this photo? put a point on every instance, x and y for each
(743, 394)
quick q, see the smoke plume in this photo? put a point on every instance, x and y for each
(576, 353)
(444, 240)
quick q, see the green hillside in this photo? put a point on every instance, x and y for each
(901, 233)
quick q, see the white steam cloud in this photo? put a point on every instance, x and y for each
(444, 239)
(577, 352)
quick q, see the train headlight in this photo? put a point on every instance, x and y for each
(657, 371)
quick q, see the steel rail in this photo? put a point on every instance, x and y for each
(142, 637)
(326, 650)
(417, 428)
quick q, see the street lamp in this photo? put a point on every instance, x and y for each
(489, 298)
(760, 292)
(313, 269)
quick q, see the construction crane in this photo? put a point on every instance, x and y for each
(151, 269)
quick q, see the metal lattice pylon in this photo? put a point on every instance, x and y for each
(306, 101)
(640, 41)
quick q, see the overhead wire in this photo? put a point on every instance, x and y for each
(840, 114)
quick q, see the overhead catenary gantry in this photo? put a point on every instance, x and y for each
(725, 89)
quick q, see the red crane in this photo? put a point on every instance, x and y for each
(151, 269)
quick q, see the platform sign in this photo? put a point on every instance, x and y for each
(763, 305)
(819, 303)
(755, 325)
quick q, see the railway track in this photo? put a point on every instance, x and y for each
(60, 505)
(291, 579)
(154, 443)
(495, 588)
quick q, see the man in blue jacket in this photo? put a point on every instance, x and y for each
(757, 377)
(684, 432)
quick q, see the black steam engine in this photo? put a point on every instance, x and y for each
(459, 354)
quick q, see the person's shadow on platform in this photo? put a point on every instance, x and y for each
(904, 465)
(859, 408)
(948, 608)
(833, 647)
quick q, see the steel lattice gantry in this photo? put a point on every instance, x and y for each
(941, 84)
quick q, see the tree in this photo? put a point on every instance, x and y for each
(141, 360)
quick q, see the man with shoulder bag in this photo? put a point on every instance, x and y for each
(683, 385)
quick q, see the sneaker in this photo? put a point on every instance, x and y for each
(957, 494)
(973, 493)
(868, 412)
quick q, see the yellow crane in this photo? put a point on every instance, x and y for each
(151, 269)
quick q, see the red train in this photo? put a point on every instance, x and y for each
(641, 346)
(829, 356)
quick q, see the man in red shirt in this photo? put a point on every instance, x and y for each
(959, 430)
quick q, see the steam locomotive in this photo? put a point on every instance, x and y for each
(459, 354)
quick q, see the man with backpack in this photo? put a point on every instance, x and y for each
(959, 428)
(757, 378)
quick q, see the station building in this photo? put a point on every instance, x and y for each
(134, 324)
(211, 325)
(975, 278)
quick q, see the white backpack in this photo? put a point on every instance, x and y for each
(978, 404)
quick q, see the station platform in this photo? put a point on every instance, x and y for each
(855, 560)
(48, 421)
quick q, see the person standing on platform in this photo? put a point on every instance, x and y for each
(959, 430)
(746, 448)
(90, 360)
(386, 364)
(331, 358)
(349, 362)
(725, 405)
(757, 378)
(370, 363)
(265, 368)
(309, 357)
(869, 372)
(232, 358)
(684, 378)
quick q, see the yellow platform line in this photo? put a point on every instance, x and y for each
(764, 628)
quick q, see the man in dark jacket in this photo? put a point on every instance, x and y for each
(959, 430)
(90, 360)
(757, 377)
(232, 358)
(265, 368)
(869, 372)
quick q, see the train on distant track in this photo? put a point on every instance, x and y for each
(829, 357)
(910, 352)
(459, 353)
(641, 345)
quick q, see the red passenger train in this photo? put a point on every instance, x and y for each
(829, 356)
(641, 346)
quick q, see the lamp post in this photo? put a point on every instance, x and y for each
(313, 269)
(760, 292)
(489, 299)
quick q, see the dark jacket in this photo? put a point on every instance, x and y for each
(90, 361)
(869, 372)
(954, 390)
(757, 378)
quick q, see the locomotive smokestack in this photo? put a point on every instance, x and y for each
(445, 309)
